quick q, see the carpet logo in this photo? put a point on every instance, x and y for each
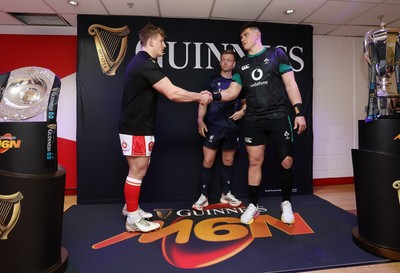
(199, 239)
(8, 141)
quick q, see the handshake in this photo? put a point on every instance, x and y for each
(205, 97)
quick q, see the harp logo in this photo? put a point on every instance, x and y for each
(10, 209)
(111, 45)
(396, 186)
(8, 141)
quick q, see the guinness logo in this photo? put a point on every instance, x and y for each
(108, 41)
(10, 209)
(163, 213)
(396, 186)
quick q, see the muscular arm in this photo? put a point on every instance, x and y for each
(292, 88)
(232, 92)
(177, 94)
(294, 97)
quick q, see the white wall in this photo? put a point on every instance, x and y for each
(339, 98)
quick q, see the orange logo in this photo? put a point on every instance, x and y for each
(8, 141)
(226, 235)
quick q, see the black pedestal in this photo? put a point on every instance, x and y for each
(28, 147)
(380, 136)
(34, 242)
(376, 169)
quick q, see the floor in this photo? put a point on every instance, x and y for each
(339, 195)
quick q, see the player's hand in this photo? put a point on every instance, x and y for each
(205, 98)
(202, 127)
(237, 115)
(205, 92)
(300, 124)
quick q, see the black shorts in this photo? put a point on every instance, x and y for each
(225, 138)
(268, 131)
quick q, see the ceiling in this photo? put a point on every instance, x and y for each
(328, 17)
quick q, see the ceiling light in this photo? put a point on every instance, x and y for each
(73, 3)
(289, 11)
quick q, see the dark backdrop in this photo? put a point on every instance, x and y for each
(191, 57)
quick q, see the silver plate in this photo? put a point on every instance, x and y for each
(26, 93)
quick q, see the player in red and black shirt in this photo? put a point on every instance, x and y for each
(268, 78)
(142, 80)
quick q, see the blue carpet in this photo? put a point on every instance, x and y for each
(213, 241)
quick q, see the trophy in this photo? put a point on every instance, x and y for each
(382, 51)
(28, 110)
(32, 184)
(27, 94)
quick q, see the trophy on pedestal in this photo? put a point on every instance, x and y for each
(382, 51)
(376, 161)
(32, 184)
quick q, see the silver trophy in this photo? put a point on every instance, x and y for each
(28, 112)
(27, 93)
(382, 51)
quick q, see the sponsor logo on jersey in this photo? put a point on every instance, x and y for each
(246, 66)
(257, 74)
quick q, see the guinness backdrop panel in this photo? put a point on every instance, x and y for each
(192, 56)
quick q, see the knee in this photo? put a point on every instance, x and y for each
(137, 173)
(142, 172)
(287, 162)
(255, 162)
(227, 161)
(208, 163)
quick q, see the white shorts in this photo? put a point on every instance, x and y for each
(136, 145)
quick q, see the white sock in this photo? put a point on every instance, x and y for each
(133, 216)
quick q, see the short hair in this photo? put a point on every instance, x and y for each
(149, 31)
(229, 51)
(252, 25)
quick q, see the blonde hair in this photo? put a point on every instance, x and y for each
(229, 51)
(149, 31)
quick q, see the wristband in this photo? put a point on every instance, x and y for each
(216, 96)
(298, 109)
